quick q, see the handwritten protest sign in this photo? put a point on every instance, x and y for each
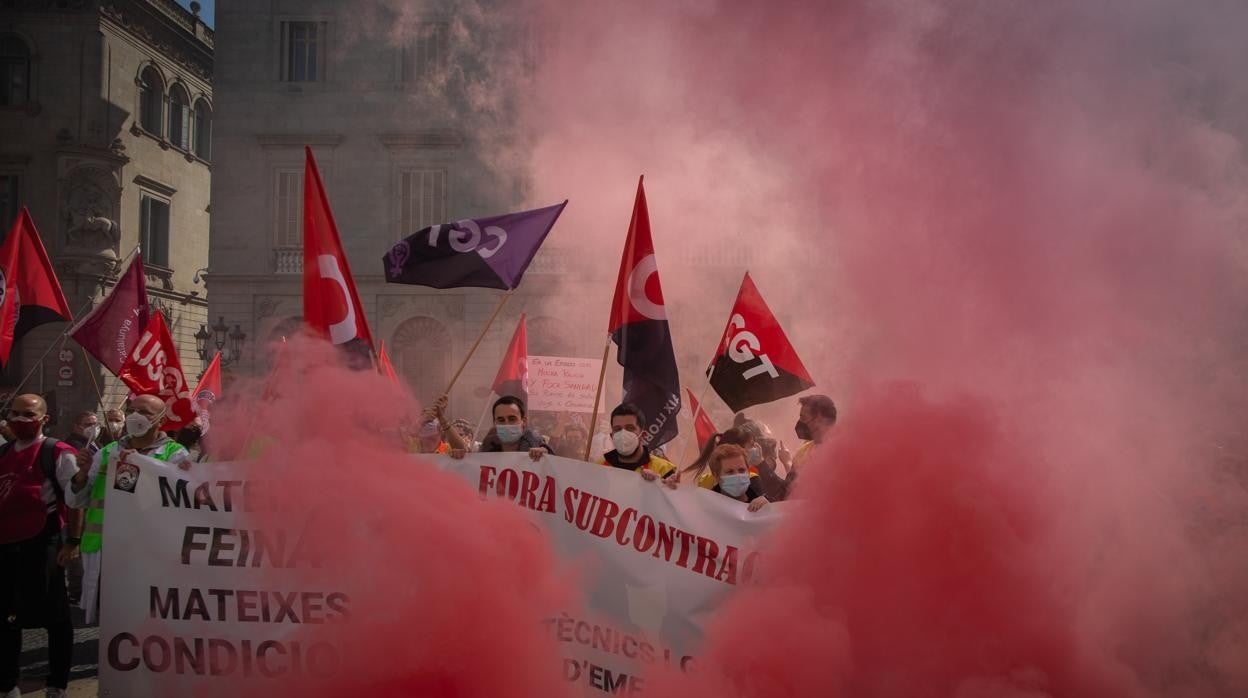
(563, 384)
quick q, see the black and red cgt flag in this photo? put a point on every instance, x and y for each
(30, 295)
(513, 373)
(639, 328)
(755, 362)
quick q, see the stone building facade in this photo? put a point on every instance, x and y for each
(106, 114)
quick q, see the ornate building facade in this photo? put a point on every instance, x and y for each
(106, 111)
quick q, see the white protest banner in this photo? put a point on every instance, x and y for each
(194, 598)
(563, 384)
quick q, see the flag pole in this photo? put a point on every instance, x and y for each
(593, 420)
(60, 339)
(480, 336)
(94, 383)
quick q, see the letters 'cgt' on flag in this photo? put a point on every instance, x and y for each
(29, 292)
(639, 328)
(703, 427)
(331, 305)
(384, 366)
(154, 369)
(482, 252)
(110, 331)
(755, 362)
(513, 373)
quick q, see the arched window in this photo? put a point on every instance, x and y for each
(14, 71)
(203, 130)
(421, 351)
(151, 100)
(179, 118)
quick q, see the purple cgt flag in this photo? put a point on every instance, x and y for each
(110, 331)
(482, 252)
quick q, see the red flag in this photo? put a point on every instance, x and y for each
(331, 305)
(154, 369)
(513, 373)
(755, 363)
(30, 295)
(110, 331)
(639, 328)
(383, 364)
(209, 386)
(702, 424)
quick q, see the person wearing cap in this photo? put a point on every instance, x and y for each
(814, 423)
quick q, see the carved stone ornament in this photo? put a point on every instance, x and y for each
(90, 201)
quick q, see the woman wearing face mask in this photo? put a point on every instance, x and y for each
(736, 436)
(732, 476)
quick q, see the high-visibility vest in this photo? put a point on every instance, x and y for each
(93, 532)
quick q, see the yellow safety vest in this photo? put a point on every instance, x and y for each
(93, 532)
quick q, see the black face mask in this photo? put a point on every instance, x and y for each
(803, 431)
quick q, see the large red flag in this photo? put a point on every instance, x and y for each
(639, 328)
(110, 331)
(513, 373)
(383, 363)
(755, 363)
(30, 295)
(331, 305)
(154, 369)
(702, 424)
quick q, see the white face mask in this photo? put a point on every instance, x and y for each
(137, 425)
(91, 432)
(116, 427)
(625, 442)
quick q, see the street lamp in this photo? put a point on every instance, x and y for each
(220, 338)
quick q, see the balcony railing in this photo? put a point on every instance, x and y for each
(288, 260)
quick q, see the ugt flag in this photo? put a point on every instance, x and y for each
(331, 305)
(154, 369)
(110, 331)
(30, 295)
(513, 373)
(639, 328)
(755, 362)
(482, 252)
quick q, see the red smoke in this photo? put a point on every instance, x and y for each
(447, 590)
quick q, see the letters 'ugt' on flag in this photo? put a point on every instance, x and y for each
(110, 331)
(331, 305)
(29, 292)
(513, 373)
(639, 328)
(755, 362)
(482, 252)
(154, 369)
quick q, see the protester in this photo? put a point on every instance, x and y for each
(435, 435)
(572, 442)
(40, 474)
(764, 458)
(86, 433)
(464, 428)
(818, 415)
(144, 437)
(627, 425)
(699, 470)
(114, 426)
(732, 475)
(510, 432)
(191, 437)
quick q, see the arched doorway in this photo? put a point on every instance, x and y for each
(421, 352)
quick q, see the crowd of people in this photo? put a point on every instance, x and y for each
(52, 521)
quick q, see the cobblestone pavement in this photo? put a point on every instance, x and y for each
(82, 677)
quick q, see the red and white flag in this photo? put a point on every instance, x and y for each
(30, 295)
(702, 424)
(110, 331)
(513, 373)
(209, 387)
(331, 305)
(154, 369)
